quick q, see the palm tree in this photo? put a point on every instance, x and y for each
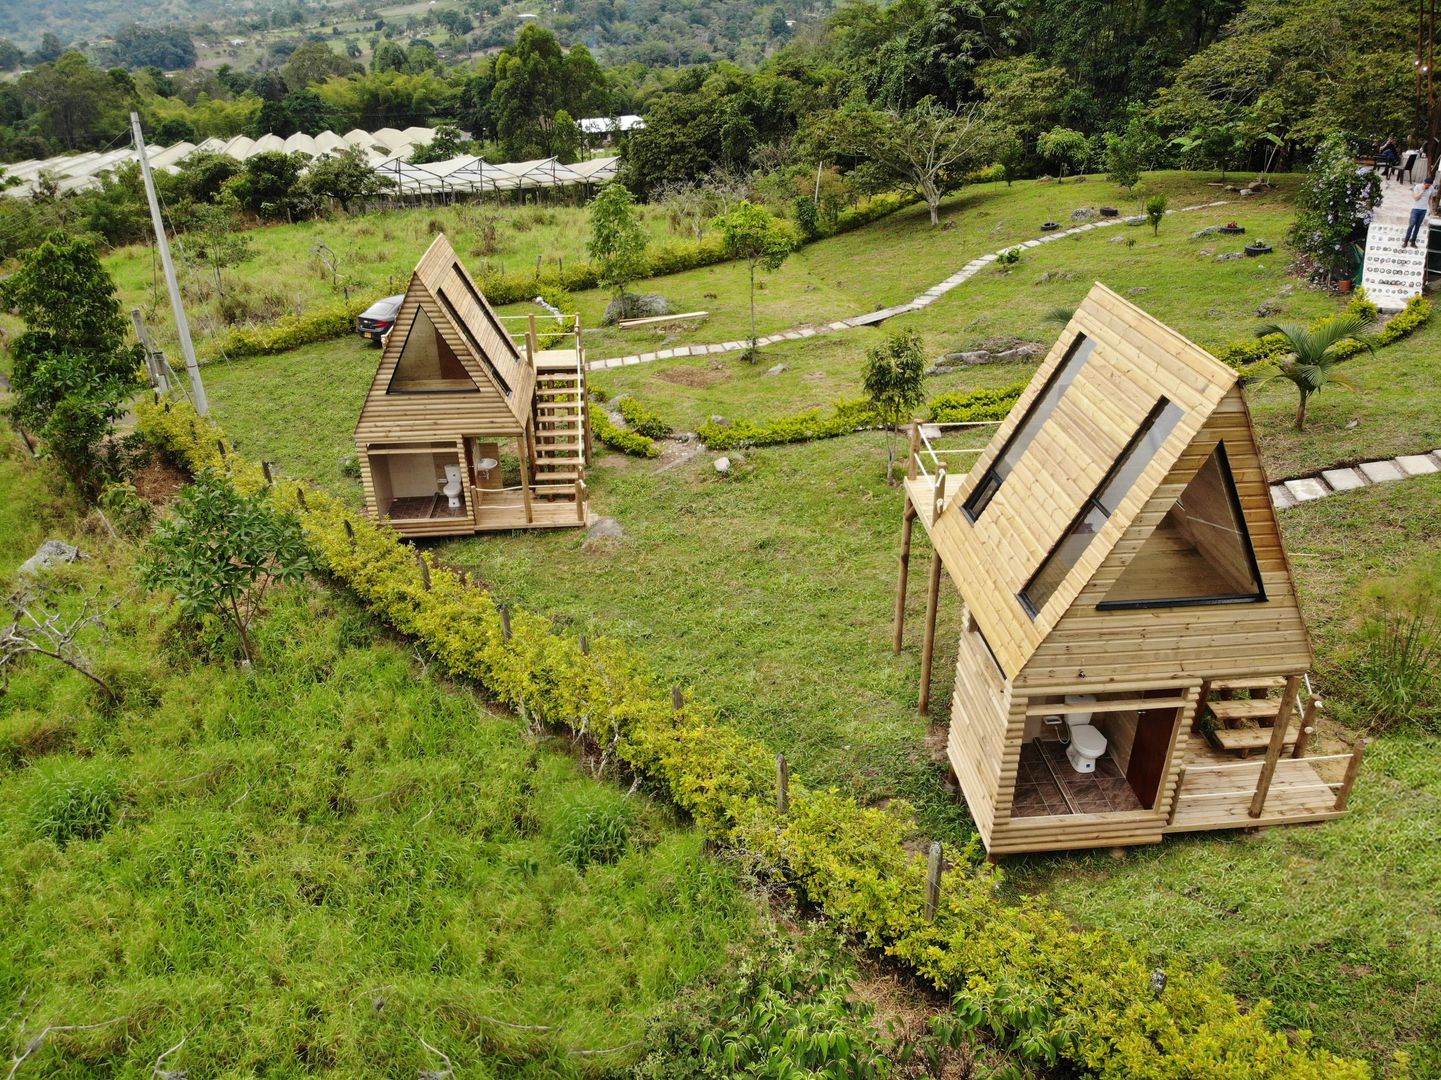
(1315, 352)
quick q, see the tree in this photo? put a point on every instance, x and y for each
(446, 144)
(894, 381)
(1315, 352)
(51, 48)
(315, 62)
(41, 626)
(165, 47)
(1155, 211)
(388, 56)
(74, 103)
(1126, 155)
(1066, 148)
(617, 239)
(221, 551)
(346, 177)
(928, 147)
(10, 55)
(754, 234)
(270, 184)
(213, 242)
(1213, 145)
(1333, 197)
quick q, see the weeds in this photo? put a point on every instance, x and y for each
(1399, 671)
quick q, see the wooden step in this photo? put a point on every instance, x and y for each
(553, 460)
(556, 477)
(559, 376)
(1245, 739)
(1267, 682)
(1245, 709)
(568, 407)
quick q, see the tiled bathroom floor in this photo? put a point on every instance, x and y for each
(1039, 793)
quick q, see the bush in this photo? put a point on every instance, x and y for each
(292, 331)
(591, 825)
(627, 442)
(1022, 970)
(1246, 356)
(992, 403)
(73, 800)
(644, 420)
(849, 416)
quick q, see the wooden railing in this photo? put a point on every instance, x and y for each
(928, 462)
(1341, 789)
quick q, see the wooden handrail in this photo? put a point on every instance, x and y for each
(915, 461)
(1349, 780)
(940, 494)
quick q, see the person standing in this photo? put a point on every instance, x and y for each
(1420, 204)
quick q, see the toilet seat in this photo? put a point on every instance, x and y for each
(1088, 740)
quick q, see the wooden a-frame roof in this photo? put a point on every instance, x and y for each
(1116, 379)
(445, 293)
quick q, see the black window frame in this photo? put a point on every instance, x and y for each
(1228, 478)
(991, 481)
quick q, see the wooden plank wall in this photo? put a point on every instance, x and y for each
(1135, 362)
(1198, 642)
(976, 744)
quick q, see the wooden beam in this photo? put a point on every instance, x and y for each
(626, 324)
(1308, 727)
(908, 521)
(1349, 780)
(928, 646)
(1278, 740)
(525, 479)
(913, 462)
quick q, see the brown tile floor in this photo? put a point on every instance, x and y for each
(410, 507)
(1038, 793)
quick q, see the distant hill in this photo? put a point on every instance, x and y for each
(24, 21)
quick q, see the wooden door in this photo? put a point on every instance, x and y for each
(1155, 733)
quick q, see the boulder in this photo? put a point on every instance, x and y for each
(635, 306)
(1227, 256)
(1085, 213)
(50, 554)
(722, 466)
(1011, 354)
(776, 370)
(1246, 191)
(604, 531)
(717, 419)
(1269, 308)
(1209, 230)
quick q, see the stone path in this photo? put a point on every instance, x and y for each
(1289, 493)
(1393, 274)
(925, 299)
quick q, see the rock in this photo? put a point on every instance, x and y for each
(1116, 240)
(1246, 191)
(1014, 353)
(1232, 187)
(722, 466)
(1025, 351)
(50, 554)
(1227, 256)
(1270, 307)
(1085, 213)
(1206, 252)
(775, 370)
(1287, 290)
(619, 398)
(717, 419)
(1209, 230)
(1055, 275)
(1081, 179)
(604, 530)
(1045, 179)
(635, 306)
(1137, 290)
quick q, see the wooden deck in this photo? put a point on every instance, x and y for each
(1216, 789)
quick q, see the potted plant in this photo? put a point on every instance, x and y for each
(1258, 247)
(1232, 229)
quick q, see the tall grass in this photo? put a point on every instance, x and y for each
(1399, 671)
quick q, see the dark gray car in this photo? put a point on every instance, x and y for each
(375, 321)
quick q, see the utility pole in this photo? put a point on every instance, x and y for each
(182, 324)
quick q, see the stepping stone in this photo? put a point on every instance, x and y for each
(1343, 479)
(1306, 489)
(987, 258)
(633, 360)
(1378, 472)
(839, 326)
(1281, 498)
(1417, 464)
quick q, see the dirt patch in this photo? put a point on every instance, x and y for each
(697, 377)
(158, 482)
(677, 452)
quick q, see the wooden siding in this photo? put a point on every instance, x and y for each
(1135, 362)
(1231, 640)
(977, 745)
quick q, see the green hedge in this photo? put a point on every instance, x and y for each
(627, 442)
(290, 331)
(1250, 354)
(644, 420)
(1078, 998)
(991, 403)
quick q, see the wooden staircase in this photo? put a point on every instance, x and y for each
(1240, 715)
(561, 435)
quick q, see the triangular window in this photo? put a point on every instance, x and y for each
(427, 363)
(1200, 553)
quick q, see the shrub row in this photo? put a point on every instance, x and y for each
(291, 331)
(627, 442)
(855, 414)
(644, 420)
(1246, 356)
(1057, 995)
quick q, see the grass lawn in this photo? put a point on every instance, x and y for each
(312, 866)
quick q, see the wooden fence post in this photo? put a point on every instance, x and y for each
(928, 643)
(677, 699)
(505, 622)
(913, 463)
(1308, 727)
(424, 570)
(584, 645)
(783, 784)
(908, 521)
(300, 498)
(269, 477)
(220, 445)
(349, 532)
(933, 881)
(1352, 768)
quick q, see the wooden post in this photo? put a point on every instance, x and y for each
(677, 698)
(424, 570)
(940, 495)
(783, 784)
(532, 342)
(584, 645)
(933, 881)
(913, 463)
(908, 521)
(580, 500)
(505, 622)
(928, 645)
(220, 445)
(1176, 796)
(349, 532)
(269, 476)
(1273, 749)
(1308, 727)
(525, 480)
(300, 498)
(1352, 768)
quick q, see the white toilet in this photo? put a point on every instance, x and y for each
(1087, 744)
(452, 487)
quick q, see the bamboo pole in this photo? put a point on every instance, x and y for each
(1352, 768)
(1278, 741)
(908, 521)
(928, 645)
(933, 880)
(913, 463)
(783, 784)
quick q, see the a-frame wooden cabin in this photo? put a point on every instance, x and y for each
(464, 431)
(1133, 659)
